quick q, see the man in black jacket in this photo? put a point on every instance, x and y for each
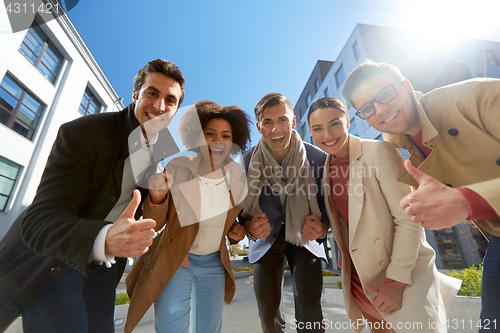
(57, 261)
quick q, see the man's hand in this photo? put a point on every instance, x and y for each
(237, 232)
(259, 226)
(388, 299)
(434, 205)
(313, 228)
(159, 184)
(128, 237)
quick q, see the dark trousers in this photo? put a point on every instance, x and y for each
(307, 287)
(490, 290)
(74, 304)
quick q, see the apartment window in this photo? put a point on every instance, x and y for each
(352, 128)
(355, 49)
(491, 58)
(308, 100)
(42, 53)
(316, 85)
(9, 171)
(339, 76)
(89, 104)
(19, 110)
(300, 113)
(304, 129)
(326, 92)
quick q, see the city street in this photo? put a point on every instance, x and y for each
(242, 317)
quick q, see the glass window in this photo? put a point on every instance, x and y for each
(42, 53)
(308, 100)
(491, 58)
(326, 92)
(447, 248)
(352, 128)
(304, 129)
(9, 171)
(355, 49)
(19, 110)
(316, 85)
(339, 76)
(89, 104)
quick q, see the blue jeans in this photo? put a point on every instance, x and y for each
(307, 278)
(75, 304)
(195, 296)
(490, 290)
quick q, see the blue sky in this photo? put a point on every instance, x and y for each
(234, 52)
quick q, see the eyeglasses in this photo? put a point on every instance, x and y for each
(383, 97)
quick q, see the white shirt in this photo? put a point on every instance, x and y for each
(133, 166)
(215, 203)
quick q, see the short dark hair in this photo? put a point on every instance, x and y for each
(326, 102)
(271, 99)
(164, 67)
(367, 69)
(204, 111)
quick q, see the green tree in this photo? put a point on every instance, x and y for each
(471, 277)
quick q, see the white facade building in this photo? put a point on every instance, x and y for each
(428, 64)
(48, 77)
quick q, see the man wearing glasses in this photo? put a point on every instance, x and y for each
(453, 137)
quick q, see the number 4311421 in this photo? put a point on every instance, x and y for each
(484, 324)
(23, 8)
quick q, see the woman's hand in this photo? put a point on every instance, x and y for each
(237, 232)
(159, 184)
(389, 299)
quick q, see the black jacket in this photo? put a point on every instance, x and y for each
(80, 185)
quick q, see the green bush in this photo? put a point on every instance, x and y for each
(339, 284)
(471, 277)
(242, 269)
(122, 298)
(327, 273)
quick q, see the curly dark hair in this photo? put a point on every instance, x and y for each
(204, 111)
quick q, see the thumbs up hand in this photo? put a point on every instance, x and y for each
(128, 237)
(433, 205)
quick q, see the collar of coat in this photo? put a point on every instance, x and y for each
(192, 162)
(428, 130)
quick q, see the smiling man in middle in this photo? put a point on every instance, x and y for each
(284, 217)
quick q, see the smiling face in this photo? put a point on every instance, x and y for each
(276, 124)
(330, 131)
(156, 102)
(216, 142)
(399, 116)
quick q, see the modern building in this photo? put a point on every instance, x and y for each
(48, 77)
(428, 64)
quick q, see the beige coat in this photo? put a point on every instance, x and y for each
(153, 270)
(383, 242)
(461, 124)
